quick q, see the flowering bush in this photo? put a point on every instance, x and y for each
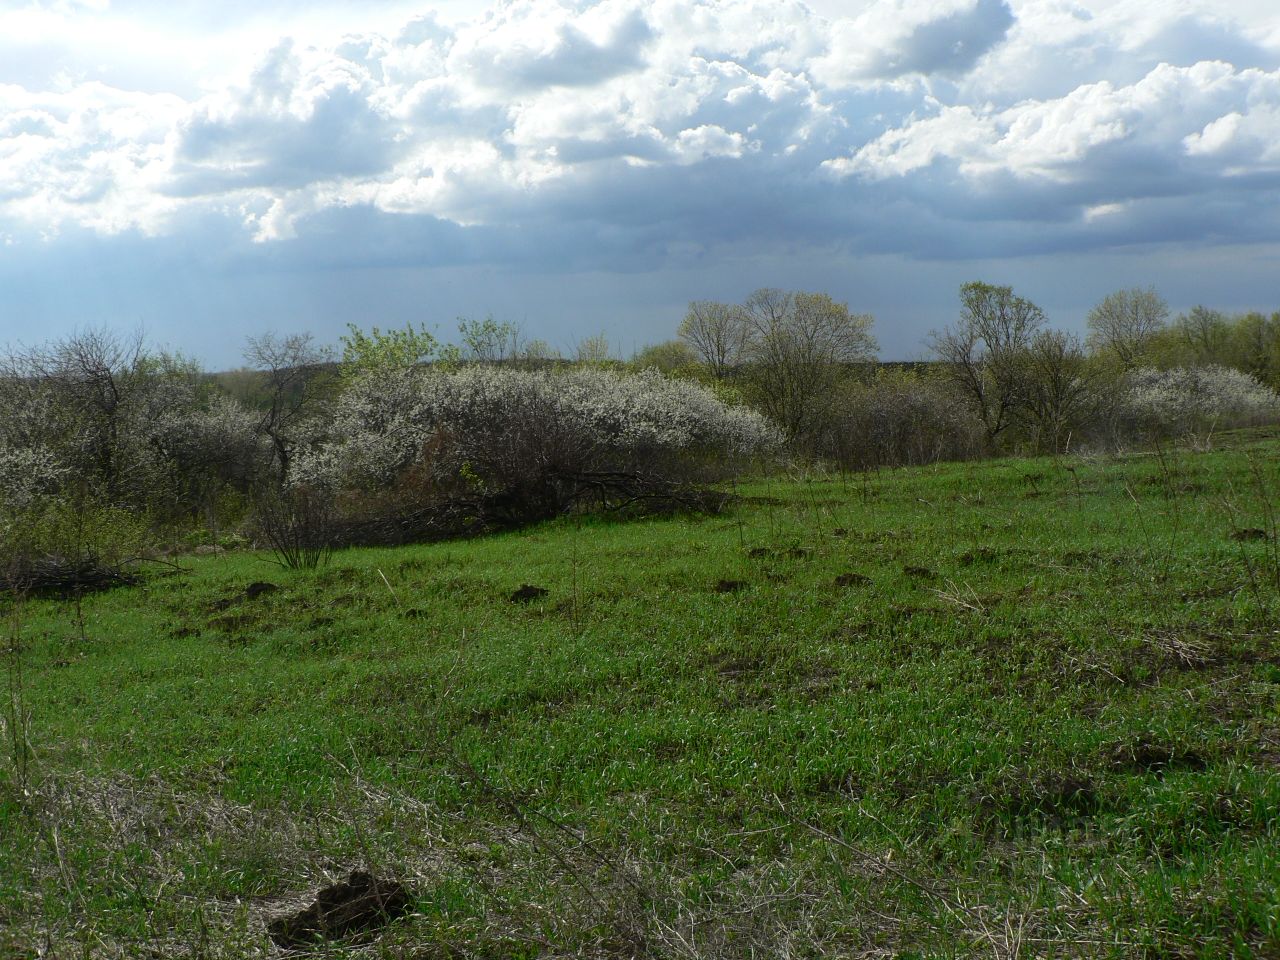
(25, 474)
(201, 446)
(500, 446)
(1188, 400)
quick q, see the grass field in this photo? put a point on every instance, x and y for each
(1014, 708)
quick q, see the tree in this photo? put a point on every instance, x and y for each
(380, 351)
(538, 353)
(593, 350)
(294, 371)
(90, 385)
(1205, 334)
(983, 353)
(488, 341)
(798, 346)
(665, 357)
(716, 332)
(1255, 345)
(1060, 389)
(1124, 323)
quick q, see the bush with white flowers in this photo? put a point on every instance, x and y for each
(517, 445)
(1187, 400)
(26, 473)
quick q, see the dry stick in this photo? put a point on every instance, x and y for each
(955, 910)
(362, 839)
(389, 587)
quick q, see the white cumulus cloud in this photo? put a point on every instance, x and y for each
(589, 128)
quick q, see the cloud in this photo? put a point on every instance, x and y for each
(584, 133)
(1165, 125)
(298, 121)
(894, 38)
(531, 45)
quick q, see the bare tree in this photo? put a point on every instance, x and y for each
(798, 346)
(294, 372)
(717, 334)
(1124, 323)
(983, 353)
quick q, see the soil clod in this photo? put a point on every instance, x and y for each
(528, 593)
(1156, 759)
(1249, 534)
(360, 903)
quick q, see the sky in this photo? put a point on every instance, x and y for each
(210, 172)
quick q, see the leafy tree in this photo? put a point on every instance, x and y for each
(798, 346)
(1255, 346)
(666, 357)
(538, 353)
(1061, 390)
(1205, 335)
(488, 341)
(983, 353)
(593, 350)
(1123, 324)
(377, 350)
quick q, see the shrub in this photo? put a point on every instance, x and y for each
(902, 418)
(63, 542)
(486, 447)
(1192, 400)
(297, 523)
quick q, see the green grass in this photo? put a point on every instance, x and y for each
(1044, 722)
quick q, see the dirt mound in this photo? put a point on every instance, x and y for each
(528, 593)
(360, 903)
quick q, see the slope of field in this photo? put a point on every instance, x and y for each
(1014, 708)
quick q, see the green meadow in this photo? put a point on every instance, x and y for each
(1011, 708)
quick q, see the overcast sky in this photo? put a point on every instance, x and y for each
(214, 170)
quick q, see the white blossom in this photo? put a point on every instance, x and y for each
(578, 419)
(1187, 399)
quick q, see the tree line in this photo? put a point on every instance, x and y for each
(396, 435)
(1000, 379)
